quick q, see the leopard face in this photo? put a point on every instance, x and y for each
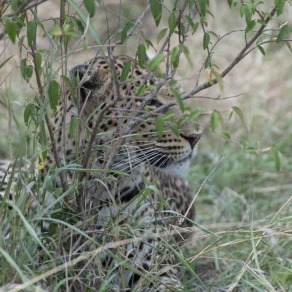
(107, 99)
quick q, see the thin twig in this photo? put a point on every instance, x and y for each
(237, 59)
(23, 8)
(265, 42)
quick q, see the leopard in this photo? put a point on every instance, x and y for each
(114, 134)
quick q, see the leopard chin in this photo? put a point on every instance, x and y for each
(177, 168)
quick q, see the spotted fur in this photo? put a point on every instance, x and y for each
(146, 190)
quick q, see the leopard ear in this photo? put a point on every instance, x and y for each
(89, 76)
(85, 80)
(80, 74)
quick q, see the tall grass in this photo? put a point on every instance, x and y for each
(242, 239)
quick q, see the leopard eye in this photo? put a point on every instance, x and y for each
(154, 102)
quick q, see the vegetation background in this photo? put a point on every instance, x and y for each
(246, 201)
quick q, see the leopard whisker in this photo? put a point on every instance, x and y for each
(135, 159)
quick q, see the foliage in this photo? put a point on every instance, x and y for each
(263, 27)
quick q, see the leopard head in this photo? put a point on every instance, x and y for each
(124, 120)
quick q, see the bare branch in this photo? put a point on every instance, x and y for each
(266, 42)
(26, 5)
(237, 59)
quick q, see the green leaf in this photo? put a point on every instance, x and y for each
(28, 111)
(149, 43)
(69, 85)
(284, 32)
(248, 14)
(225, 135)
(140, 90)
(175, 128)
(142, 55)
(84, 18)
(26, 70)
(251, 149)
(277, 159)
(126, 28)
(29, 72)
(73, 126)
(280, 6)
(174, 57)
(207, 62)
(171, 22)
(179, 100)
(203, 7)
(11, 29)
(38, 62)
(154, 63)
(156, 10)
(90, 7)
(79, 24)
(159, 122)
(250, 25)
(54, 93)
(159, 125)
(31, 32)
(69, 30)
(125, 71)
(15, 4)
(242, 10)
(230, 3)
(218, 78)
(214, 120)
(261, 49)
(19, 21)
(206, 40)
(193, 25)
(214, 34)
(56, 31)
(186, 52)
(53, 228)
(195, 114)
(161, 34)
(238, 112)
(182, 30)
(263, 37)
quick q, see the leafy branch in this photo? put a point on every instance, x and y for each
(237, 59)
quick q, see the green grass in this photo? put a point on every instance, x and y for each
(244, 233)
(247, 202)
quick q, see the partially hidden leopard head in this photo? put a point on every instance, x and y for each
(120, 102)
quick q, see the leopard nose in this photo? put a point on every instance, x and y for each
(192, 138)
